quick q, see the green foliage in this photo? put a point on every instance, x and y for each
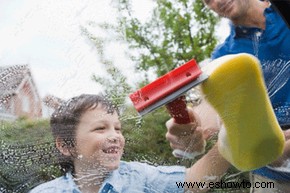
(23, 129)
(145, 138)
(178, 31)
(27, 154)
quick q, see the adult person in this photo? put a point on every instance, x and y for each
(88, 135)
(256, 28)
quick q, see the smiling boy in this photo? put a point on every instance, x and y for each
(88, 135)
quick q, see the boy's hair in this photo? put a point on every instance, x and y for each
(66, 118)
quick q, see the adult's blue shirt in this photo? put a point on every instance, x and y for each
(272, 47)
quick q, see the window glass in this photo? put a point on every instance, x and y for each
(25, 104)
(52, 51)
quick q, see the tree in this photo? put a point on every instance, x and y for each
(178, 31)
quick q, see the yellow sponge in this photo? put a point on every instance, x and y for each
(251, 137)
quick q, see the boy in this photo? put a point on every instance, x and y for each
(88, 134)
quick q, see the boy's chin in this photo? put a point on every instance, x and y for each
(110, 166)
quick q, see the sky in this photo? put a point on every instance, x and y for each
(46, 35)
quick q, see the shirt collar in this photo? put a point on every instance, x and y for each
(111, 183)
(68, 176)
(247, 32)
(115, 178)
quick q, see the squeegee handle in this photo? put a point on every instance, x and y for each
(178, 110)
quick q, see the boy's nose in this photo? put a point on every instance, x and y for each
(113, 136)
(113, 139)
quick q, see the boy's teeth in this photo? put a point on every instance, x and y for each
(111, 150)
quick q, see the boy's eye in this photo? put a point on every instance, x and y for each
(117, 128)
(99, 128)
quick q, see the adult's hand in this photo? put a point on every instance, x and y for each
(189, 140)
(186, 140)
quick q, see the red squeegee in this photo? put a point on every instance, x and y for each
(168, 90)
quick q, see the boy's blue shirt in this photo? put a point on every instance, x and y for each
(272, 47)
(129, 177)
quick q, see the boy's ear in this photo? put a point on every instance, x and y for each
(62, 147)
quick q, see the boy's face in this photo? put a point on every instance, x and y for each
(99, 140)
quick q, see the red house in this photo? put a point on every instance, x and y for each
(18, 94)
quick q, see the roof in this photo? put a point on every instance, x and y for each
(52, 101)
(10, 79)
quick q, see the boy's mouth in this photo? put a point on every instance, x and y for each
(112, 150)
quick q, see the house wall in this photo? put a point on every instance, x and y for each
(7, 109)
(23, 100)
(27, 102)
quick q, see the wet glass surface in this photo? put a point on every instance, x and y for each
(47, 56)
